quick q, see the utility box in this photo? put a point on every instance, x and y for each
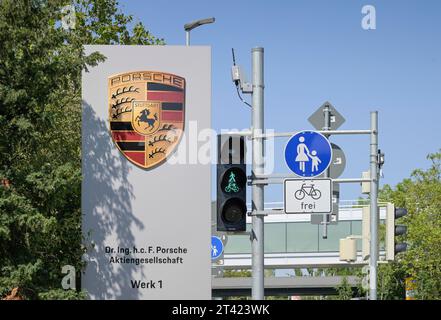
(348, 249)
(366, 186)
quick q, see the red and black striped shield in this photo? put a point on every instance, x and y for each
(147, 115)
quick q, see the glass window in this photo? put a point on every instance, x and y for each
(275, 237)
(302, 237)
(335, 233)
(239, 243)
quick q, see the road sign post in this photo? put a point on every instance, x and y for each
(327, 126)
(327, 118)
(335, 118)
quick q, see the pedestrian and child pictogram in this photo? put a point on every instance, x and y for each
(308, 153)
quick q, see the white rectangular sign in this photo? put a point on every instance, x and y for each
(308, 195)
(146, 196)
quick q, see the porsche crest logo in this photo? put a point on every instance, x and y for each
(147, 115)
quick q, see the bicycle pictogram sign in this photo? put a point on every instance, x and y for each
(308, 195)
(307, 190)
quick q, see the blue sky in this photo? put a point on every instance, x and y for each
(315, 51)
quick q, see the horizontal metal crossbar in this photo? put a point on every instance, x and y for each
(326, 132)
(279, 179)
(289, 134)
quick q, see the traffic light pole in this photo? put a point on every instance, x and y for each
(373, 255)
(257, 234)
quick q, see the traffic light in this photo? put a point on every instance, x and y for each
(231, 184)
(393, 230)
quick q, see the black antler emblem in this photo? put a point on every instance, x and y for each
(120, 102)
(156, 139)
(121, 91)
(156, 151)
(167, 127)
(120, 112)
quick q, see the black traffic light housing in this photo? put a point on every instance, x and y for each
(400, 230)
(393, 230)
(231, 184)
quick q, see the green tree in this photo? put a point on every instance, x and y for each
(344, 290)
(421, 195)
(40, 141)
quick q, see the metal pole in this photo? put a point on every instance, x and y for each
(374, 208)
(326, 174)
(257, 236)
(187, 38)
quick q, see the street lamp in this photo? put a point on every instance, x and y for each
(190, 26)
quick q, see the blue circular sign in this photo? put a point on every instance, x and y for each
(217, 247)
(308, 153)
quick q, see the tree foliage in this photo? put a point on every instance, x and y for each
(421, 195)
(40, 138)
(344, 290)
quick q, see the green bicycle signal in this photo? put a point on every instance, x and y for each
(232, 184)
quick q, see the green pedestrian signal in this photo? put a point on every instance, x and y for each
(232, 184)
(233, 179)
